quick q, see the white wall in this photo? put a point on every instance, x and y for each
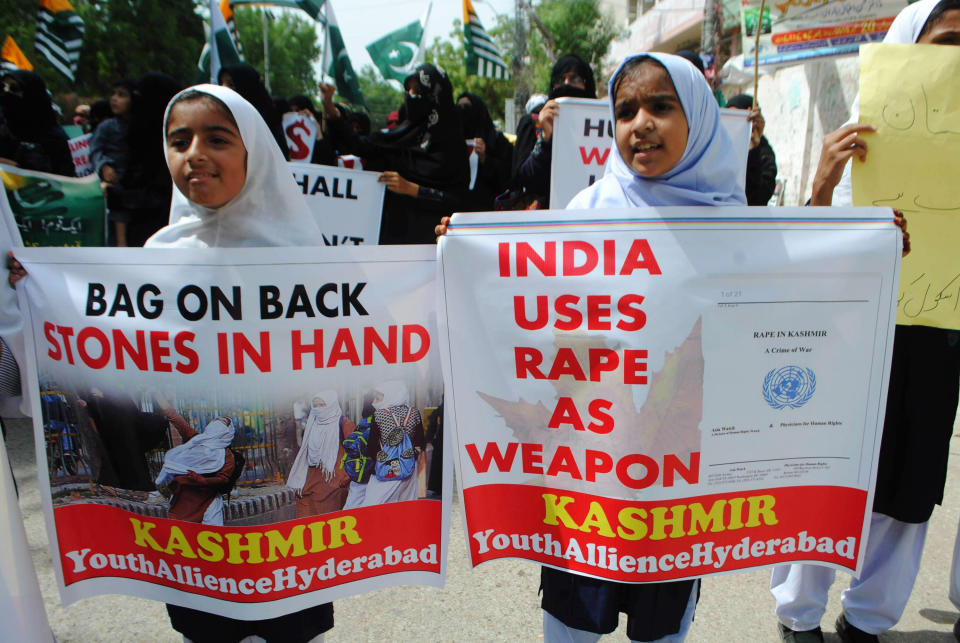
(801, 104)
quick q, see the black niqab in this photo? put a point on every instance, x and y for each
(429, 139)
(567, 64)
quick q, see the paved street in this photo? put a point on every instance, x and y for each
(498, 601)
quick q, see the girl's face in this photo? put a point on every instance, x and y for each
(651, 129)
(946, 31)
(205, 154)
(120, 101)
(318, 402)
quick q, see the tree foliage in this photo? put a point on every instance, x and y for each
(293, 46)
(382, 97)
(576, 27)
(122, 39)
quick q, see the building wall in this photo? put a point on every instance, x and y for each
(801, 104)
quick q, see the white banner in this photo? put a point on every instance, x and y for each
(346, 204)
(583, 139)
(80, 151)
(301, 133)
(279, 353)
(651, 394)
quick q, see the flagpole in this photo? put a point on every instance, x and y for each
(326, 43)
(426, 18)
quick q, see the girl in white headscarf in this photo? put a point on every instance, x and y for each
(918, 422)
(670, 149)
(394, 420)
(319, 482)
(198, 470)
(233, 188)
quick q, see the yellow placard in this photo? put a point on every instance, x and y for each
(911, 93)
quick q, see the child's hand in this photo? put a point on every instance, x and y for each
(480, 147)
(755, 118)
(545, 119)
(109, 175)
(901, 222)
(17, 271)
(398, 184)
(441, 228)
(838, 147)
(326, 94)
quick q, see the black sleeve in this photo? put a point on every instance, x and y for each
(761, 173)
(346, 141)
(526, 138)
(534, 173)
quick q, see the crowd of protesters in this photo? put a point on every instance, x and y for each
(423, 157)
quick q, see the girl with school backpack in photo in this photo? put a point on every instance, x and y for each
(355, 462)
(395, 445)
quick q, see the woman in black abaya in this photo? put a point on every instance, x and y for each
(423, 160)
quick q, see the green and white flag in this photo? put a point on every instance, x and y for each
(219, 51)
(337, 63)
(480, 54)
(59, 35)
(398, 53)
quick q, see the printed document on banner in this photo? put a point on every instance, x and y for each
(202, 419)
(652, 394)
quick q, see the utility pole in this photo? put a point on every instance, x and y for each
(710, 33)
(521, 84)
(266, 52)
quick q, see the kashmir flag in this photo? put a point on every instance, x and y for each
(220, 49)
(59, 35)
(398, 53)
(337, 63)
(12, 58)
(480, 54)
(228, 17)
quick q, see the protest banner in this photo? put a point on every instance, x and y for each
(794, 31)
(652, 394)
(80, 151)
(583, 139)
(54, 210)
(301, 133)
(908, 93)
(136, 350)
(346, 203)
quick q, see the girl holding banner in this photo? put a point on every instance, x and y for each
(233, 188)
(671, 150)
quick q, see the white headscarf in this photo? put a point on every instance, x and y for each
(395, 393)
(268, 211)
(321, 441)
(203, 453)
(704, 174)
(904, 30)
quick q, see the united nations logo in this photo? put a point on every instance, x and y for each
(789, 386)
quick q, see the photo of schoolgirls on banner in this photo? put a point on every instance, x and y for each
(239, 431)
(599, 425)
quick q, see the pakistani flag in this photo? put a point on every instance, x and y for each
(59, 35)
(337, 63)
(480, 54)
(399, 52)
(220, 49)
(11, 57)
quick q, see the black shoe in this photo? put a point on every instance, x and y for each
(850, 634)
(800, 636)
